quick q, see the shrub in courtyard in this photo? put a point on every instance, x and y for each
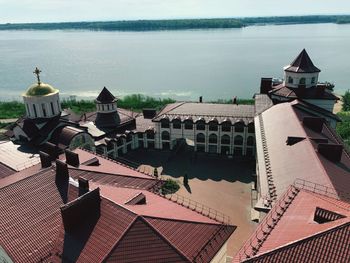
(170, 186)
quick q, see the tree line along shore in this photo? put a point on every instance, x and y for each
(178, 24)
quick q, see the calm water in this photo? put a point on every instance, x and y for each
(178, 64)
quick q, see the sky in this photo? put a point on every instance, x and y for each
(21, 11)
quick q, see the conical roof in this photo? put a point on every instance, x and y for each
(302, 64)
(105, 96)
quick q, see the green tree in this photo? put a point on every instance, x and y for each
(346, 101)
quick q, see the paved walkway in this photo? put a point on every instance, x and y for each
(222, 184)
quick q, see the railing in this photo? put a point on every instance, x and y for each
(321, 189)
(253, 244)
(195, 206)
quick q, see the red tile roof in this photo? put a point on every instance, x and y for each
(281, 164)
(5, 171)
(32, 228)
(302, 64)
(290, 232)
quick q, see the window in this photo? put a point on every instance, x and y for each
(290, 80)
(226, 126)
(251, 128)
(238, 140)
(44, 109)
(302, 81)
(200, 148)
(188, 125)
(164, 123)
(58, 106)
(213, 125)
(200, 137)
(225, 139)
(200, 125)
(239, 127)
(165, 135)
(108, 107)
(176, 124)
(35, 113)
(213, 138)
(140, 135)
(28, 111)
(313, 80)
(250, 141)
(150, 135)
(52, 108)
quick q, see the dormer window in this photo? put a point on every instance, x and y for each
(313, 80)
(302, 81)
(290, 80)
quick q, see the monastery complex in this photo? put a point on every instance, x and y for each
(68, 193)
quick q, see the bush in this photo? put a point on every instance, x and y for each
(170, 186)
(346, 101)
(11, 109)
(343, 128)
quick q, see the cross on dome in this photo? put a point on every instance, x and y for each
(37, 73)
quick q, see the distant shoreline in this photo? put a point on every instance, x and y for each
(179, 24)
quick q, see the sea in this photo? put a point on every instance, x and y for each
(183, 64)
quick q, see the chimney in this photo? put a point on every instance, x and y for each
(265, 85)
(50, 149)
(332, 152)
(85, 208)
(314, 123)
(201, 99)
(62, 174)
(72, 158)
(45, 159)
(83, 186)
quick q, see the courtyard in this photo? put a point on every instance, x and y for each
(218, 182)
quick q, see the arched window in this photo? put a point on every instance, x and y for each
(150, 134)
(35, 113)
(200, 137)
(238, 140)
(213, 138)
(188, 124)
(250, 141)
(176, 124)
(226, 126)
(165, 135)
(251, 128)
(52, 108)
(200, 125)
(164, 123)
(213, 125)
(313, 80)
(290, 80)
(129, 137)
(225, 139)
(239, 126)
(302, 81)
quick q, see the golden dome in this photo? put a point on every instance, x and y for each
(41, 89)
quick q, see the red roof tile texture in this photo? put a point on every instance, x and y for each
(291, 232)
(5, 171)
(32, 228)
(302, 64)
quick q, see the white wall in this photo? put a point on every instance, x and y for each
(38, 101)
(220, 257)
(296, 79)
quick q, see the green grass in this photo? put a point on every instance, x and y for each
(343, 128)
(135, 102)
(11, 110)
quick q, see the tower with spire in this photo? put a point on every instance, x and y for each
(107, 111)
(300, 82)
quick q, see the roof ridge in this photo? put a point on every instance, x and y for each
(163, 237)
(37, 173)
(123, 175)
(121, 237)
(186, 221)
(295, 242)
